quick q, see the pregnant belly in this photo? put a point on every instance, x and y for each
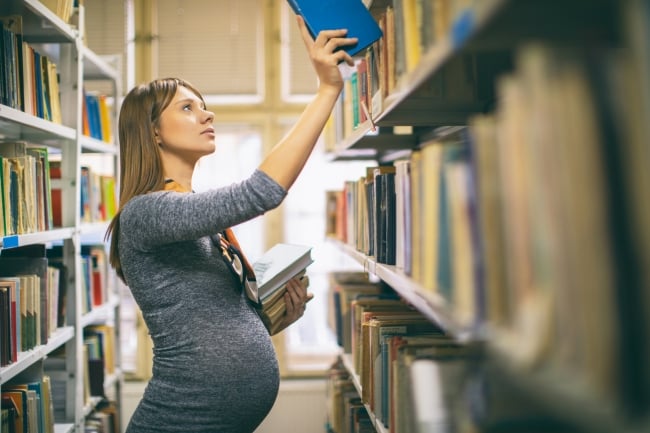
(227, 383)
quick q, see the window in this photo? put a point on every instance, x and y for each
(238, 154)
(310, 345)
(217, 45)
(109, 32)
(298, 80)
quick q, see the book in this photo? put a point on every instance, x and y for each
(5, 327)
(277, 266)
(346, 286)
(12, 40)
(30, 263)
(272, 271)
(339, 14)
(11, 336)
(376, 328)
(272, 311)
(413, 408)
(17, 401)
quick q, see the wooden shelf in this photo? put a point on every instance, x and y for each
(430, 304)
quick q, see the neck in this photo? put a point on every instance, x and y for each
(181, 173)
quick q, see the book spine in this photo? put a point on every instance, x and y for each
(295, 7)
(298, 11)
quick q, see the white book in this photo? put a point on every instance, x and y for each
(278, 265)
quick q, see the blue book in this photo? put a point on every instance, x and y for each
(339, 14)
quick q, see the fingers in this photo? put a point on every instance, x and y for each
(297, 291)
(335, 38)
(330, 40)
(304, 31)
(294, 308)
(296, 296)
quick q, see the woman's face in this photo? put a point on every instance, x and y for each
(185, 127)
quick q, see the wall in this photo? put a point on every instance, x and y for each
(300, 407)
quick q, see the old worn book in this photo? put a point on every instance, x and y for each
(273, 309)
(277, 266)
(272, 272)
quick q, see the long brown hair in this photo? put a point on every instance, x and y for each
(141, 169)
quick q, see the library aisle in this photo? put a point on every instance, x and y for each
(499, 228)
(502, 224)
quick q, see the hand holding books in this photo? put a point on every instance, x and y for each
(288, 308)
(275, 284)
(282, 284)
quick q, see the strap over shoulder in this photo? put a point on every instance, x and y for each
(238, 263)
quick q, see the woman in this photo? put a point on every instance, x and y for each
(214, 367)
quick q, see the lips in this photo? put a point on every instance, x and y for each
(208, 131)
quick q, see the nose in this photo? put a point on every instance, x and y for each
(209, 115)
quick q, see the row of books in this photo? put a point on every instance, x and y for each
(376, 75)
(27, 406)
(32, 202)
(98, 195)
(96, 117)
(104, 419)
(32, 300)
(29, 82)
(32, 293)
(94, 277)
(544, 199)
(421, 24)
(346, 413)
(29, 78)
(98, 360)
(513, 225)
(26, 204)
(99, 342)
(364, 214)
(406, 371)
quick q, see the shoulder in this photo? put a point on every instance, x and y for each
(144, 202)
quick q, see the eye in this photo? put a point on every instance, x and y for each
(187, 107)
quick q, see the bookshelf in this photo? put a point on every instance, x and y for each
(82, 168)
(526, 137)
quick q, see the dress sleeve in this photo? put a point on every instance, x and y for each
(165, 216)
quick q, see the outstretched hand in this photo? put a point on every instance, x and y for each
(296, 299)
(325, 55)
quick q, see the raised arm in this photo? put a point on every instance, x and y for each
(288, 157)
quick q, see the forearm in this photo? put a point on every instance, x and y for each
(287, 158)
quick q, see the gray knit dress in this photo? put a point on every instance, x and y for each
(214, 366)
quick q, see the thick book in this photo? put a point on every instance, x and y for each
(277, 266)
(272, 271)
(339, 14)
(274, 308)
